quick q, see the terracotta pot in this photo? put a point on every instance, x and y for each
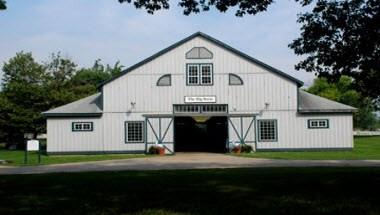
(236, 150)
(161, 151)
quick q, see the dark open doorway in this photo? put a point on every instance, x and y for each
(200, 134)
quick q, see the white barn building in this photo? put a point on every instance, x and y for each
(199, 95)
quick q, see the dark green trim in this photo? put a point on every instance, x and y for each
(216, 42)
(143, 132)
(324, 114)
(72, 127)
(236, 76)
(309, 125)
(256, 133)
(298, 99)
(319, 111)
(199, 65)
(51, 115)
(164, 76)
(212, 54)
(159, 137)
(200, 113)
(259, 130)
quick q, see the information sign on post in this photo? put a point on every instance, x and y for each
(32, 146)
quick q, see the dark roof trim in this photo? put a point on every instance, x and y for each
(327, 111)
(48, 115)
(211, 39)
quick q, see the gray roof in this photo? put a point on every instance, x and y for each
(309, 103)
(92, 106)
(214, 41)
(88, 106)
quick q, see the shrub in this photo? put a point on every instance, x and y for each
(246, 148)
(153, 150)
(156, 150)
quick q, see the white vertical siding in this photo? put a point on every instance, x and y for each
(139, 88)
(61, 138)
(293, 131)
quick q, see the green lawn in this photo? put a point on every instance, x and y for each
(17, 157)
(225, 191)
(364, 148)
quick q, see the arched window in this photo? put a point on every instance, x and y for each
(234, 79)
(165, 80)
(199, 53)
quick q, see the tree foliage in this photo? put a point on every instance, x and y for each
(29, 88)
(22, 97)
(195, 6)
(344, 92)
(342, 38)
(3, 5)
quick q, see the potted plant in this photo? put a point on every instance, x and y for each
(236, 149)
(244, 148)
(157, 149)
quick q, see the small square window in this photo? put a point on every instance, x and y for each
(318, 123)
(134, 132)
(82, 126)
(267, 130)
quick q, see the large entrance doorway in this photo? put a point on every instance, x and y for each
(201, 134)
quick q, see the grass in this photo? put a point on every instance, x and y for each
(225, 191)
(365, 148)
(16, 158)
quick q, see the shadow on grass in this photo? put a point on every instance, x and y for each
(233, 191)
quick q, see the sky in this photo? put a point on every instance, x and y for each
(87, 30)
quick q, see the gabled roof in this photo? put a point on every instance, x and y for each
(88, 106)
(214, 41)
(309, 103)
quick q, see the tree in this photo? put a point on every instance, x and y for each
(60, 72)
(3, 5)
(342, 38)
(22, 98)
(344, 92)
(30, 88)
(195, 6)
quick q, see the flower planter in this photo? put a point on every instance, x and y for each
(157, 150)
(236, 150)
(161, 151)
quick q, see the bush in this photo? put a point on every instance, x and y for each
(246, 148)
(153, 150)
(156, 150)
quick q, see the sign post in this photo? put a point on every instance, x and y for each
(32, 146)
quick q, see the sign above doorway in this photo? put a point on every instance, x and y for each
(200, 99)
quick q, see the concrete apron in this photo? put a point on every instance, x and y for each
(183, 161)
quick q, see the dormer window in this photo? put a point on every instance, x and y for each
(199, 74)
(199, 53)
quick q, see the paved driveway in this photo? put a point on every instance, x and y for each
(184, 161)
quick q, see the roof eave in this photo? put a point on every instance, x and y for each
(327, 111)
(49, 115)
